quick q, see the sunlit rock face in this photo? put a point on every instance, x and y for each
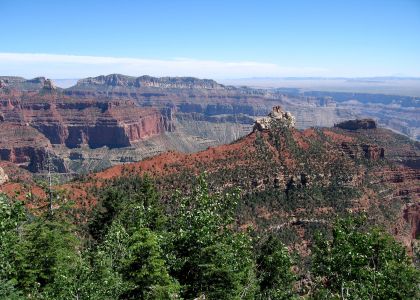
(276, 116)
(75, 122)
(3, 176)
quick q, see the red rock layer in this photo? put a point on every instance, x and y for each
(72, 122)
(412, 216)
(26, 147)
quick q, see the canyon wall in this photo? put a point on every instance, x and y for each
(91, 122)
(208, 98)
(28, 148)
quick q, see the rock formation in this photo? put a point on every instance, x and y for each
(28, 148)
(3, 176)
(148, 81)
(73, 122)
(357, 124)
(22, 84)
(412, 216)
(49, 85)
(289, 176)
(368, 151)
(122, 111)
(188, 95)
(278, 117)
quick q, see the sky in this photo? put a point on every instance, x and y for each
(210, 38)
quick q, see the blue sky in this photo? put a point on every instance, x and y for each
(72, 39)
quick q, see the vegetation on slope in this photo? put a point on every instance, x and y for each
(134, 248)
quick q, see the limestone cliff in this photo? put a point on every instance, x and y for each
(22, 84)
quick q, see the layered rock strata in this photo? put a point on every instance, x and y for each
(26, 147)
(95, 123)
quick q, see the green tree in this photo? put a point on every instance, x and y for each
(145, 270)
(360, 263)
(275, 274)
(47, 259)
(128, 225)
(12, 219)
(100, 276)
(209, 258)
(133, 201)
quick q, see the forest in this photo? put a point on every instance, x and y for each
(133, 245)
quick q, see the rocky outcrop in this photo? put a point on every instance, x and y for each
(373, 152)
(3, 176)
(368, 151)
(95, 123)
(412, 217)
(357, 124)
(276, 117)
(49, 85)
(26, 147)
(27, 85)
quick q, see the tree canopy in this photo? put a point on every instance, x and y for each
(134, 247)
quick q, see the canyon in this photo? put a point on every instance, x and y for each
(34, 122)
(208, 100)
(107, 120)
(289, 179)
(297, 180)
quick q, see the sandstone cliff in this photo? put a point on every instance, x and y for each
(26, 147)
(72, 122)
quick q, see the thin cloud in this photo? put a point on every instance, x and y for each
(74, 66)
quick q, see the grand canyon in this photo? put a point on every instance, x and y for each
(210, 150)
(107, 120)
(117, 120)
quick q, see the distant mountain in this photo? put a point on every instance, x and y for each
(22, 84)
(115, 80)
(206, 98)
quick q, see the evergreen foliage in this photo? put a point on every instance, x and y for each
(361, 263)
(135, 249)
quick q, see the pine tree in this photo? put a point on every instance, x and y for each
(275, 274)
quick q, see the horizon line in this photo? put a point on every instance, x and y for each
(64, 66)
